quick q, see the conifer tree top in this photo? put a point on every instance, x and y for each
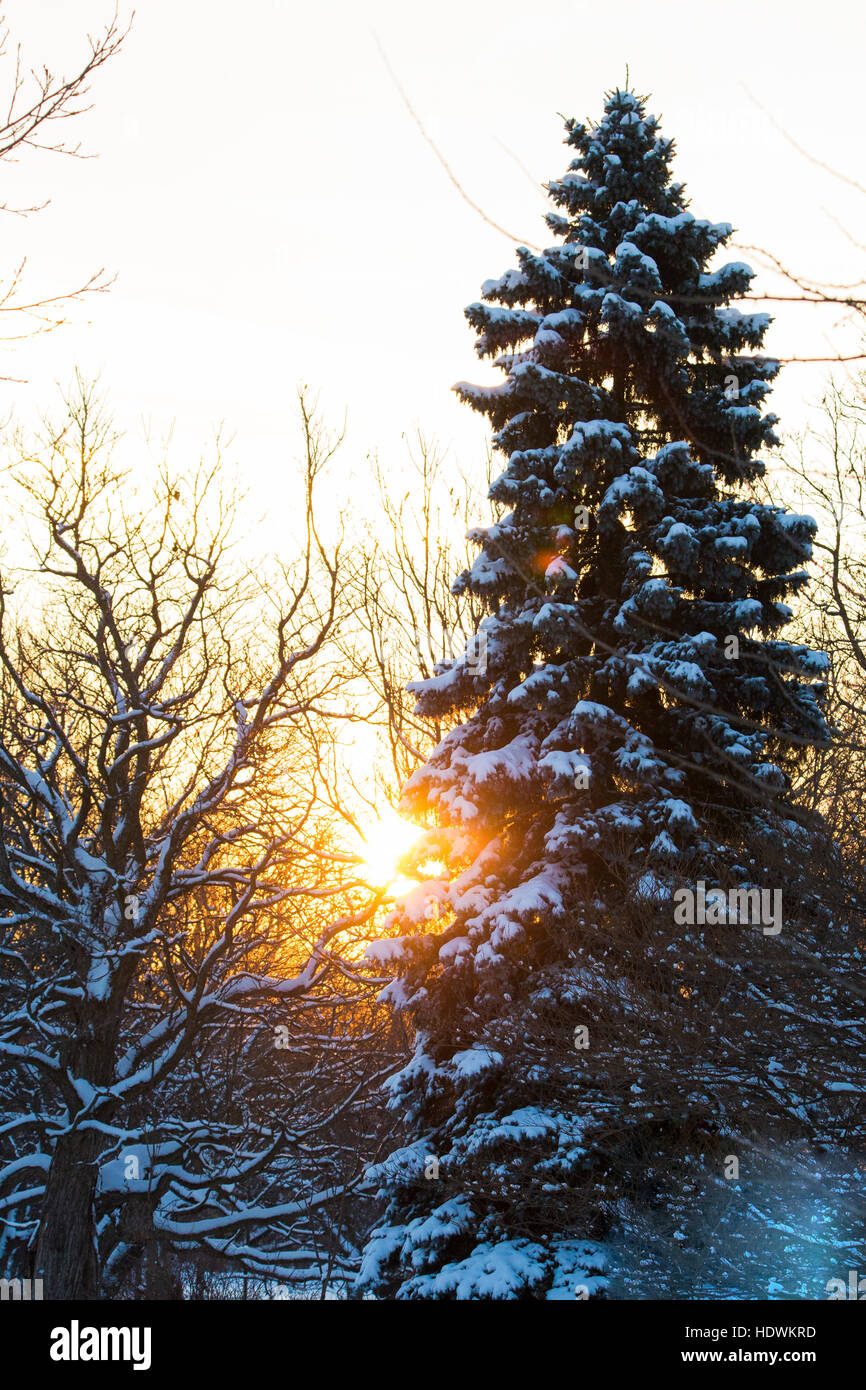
(623, 158)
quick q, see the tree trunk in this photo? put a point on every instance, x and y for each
(66, 1257)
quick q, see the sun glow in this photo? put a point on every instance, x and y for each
(384, 845)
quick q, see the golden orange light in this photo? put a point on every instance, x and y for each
(384, 845)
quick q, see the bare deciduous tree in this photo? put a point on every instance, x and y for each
(35, 103)
(409, 613)
(165, 875)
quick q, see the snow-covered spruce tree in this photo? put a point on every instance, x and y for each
(633, 725)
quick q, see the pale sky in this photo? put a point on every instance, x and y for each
(273, 215)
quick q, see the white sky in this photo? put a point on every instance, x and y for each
(273, 215)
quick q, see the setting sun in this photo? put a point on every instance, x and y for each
(385, 843)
